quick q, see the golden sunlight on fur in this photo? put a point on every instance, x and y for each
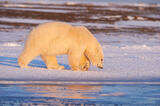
(56, 38)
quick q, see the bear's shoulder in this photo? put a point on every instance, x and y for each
(55, 24)
(82, 28)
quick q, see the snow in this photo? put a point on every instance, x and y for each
(11, 44)
(41, 10)
(138, 63)
(20, 20)
(129, 57)
(139, 23)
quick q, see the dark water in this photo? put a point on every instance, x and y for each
(79, 95)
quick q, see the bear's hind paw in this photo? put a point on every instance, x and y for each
(23, 66)
(60, 67)
(56, 67)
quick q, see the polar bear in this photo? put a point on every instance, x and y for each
(57, 38)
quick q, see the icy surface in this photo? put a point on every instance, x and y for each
(130, 39)
(129, 32)
(122, 64)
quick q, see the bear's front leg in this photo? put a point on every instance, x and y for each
(51, 62)
(84, 63)
(74, 58)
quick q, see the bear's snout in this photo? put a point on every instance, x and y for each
(101, 67)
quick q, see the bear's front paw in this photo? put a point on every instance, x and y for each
(85, 66)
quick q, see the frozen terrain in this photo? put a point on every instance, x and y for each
(128, 33)
(130, 39)
(127, 63)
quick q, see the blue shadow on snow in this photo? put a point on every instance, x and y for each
(12, 61)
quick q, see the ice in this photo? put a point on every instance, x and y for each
(138, 23)
(42, 10)
(70, 3)
(11, 73)
(107, 17)
(130, 55)
(12, 44)
(122, 64)
(130, 17)
(16, 5)
(143, 3)
(20, 20)
(137, 47)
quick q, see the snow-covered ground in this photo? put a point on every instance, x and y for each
(129, 63)
(131, 42)
(128, 31)
(123, 62)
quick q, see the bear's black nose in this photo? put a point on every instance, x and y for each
(100, 67)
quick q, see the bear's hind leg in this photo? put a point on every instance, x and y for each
(51, 62)
(25, 57)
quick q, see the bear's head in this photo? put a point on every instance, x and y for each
(93, 52)
(95, 55)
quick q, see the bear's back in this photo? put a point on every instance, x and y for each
(49, 31)
(46, 33)
(53, 29)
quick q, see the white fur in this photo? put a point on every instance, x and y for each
(56, 38)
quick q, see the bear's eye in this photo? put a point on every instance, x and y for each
(101, 59)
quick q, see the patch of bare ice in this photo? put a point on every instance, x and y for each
(70, 3)
(17, 5)
(23, 20)
(138, 23)
(12, 44)
(137, 47)
(42, 10)
(107, 17)
(113, 94)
